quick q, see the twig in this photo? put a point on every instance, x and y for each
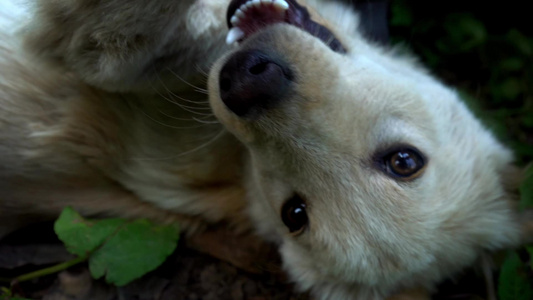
(49, 270)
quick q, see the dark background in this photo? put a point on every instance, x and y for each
(483, 48)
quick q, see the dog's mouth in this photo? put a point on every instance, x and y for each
(245, 17)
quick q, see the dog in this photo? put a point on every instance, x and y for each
(369, 174)
(99, 114)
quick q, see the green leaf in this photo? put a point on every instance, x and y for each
(464, 32)
(526, 190)
(513, 283)
(82, 236)
(512, 64)
(121, 250)
(401, 14)
(522, 43)
(527, 120)
(135, 249)
(6, 294)
(508, 89)
(530, 251)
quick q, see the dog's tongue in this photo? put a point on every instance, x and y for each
(247, 17)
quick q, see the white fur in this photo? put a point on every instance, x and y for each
(370, 235)
(103, 107)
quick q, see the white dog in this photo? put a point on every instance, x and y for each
(371, 176)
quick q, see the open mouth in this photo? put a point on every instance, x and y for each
(245, 17)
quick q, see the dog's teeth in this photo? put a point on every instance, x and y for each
(234, 20)
(239, 13)
(234, 35)
(281, 4)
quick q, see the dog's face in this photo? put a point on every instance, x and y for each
(366, 170)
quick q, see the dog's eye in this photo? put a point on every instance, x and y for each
(404, 163)
(293, 214)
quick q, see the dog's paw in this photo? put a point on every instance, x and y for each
(124, 45)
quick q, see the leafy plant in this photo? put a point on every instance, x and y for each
(6, 294)
(514, 283)
(117, 249)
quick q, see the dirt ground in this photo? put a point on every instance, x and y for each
(187, 274)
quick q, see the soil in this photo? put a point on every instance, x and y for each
(187, 274)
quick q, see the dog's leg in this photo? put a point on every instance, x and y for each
(102, 200)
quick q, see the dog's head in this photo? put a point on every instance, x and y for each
(364, 168)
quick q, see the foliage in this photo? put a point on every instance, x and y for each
(121, 250)
(6, 294)
(514, 282)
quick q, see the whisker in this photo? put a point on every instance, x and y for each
(202, 71)
(217, 136)
(197, 88)
(215, 121)
(167, 125)
(187, 100)
(176, 118)
(192, 119)
(171, 92)
(184, 107)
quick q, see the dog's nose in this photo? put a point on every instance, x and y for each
(251, 81)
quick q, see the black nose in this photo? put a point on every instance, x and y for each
(252, 81)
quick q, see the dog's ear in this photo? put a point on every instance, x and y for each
(114, 44)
